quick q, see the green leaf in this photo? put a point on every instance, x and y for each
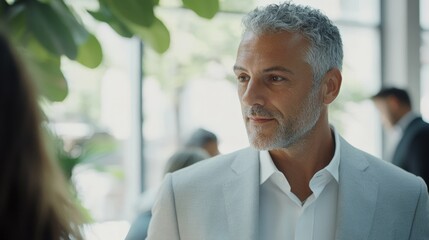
(67, 163)
(100, 15)
(45, 70)
(120, 28)
(203, 8)
(53, 83)
(78, 31)
(138, 12)
(50, 79)
(157, 36)
(90, 53)
(3, 5)
(15, 20)
(104, 15)
(50, 30)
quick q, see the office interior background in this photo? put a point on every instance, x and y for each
(135, 109)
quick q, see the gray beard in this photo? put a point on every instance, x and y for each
(290, 132)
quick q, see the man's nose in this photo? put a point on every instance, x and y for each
(253, 93)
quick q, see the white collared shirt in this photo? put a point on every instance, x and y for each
(395, 134)
(281, 213)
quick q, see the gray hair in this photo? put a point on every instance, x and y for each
(326, 49)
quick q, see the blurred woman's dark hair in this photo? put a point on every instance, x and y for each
(35, 201)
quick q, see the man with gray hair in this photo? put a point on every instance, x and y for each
(300, 179)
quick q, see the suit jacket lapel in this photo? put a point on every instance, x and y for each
(241, 196)
(357, 195)
(400, 154)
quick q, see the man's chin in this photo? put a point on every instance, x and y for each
(258, 143)
(261, 139)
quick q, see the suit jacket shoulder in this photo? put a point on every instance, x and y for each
(383, 172)
(215, 170)
(412, 152)
(213, 199)
(219, 199)
(386, 201)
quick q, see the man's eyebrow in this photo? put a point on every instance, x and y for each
(235, 68)
(278, 68)
(271, 69)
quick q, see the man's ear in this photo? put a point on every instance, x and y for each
(331, 85)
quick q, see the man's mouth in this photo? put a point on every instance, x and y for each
(259, 120)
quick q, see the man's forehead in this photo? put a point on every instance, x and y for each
(271, 47)
(272, 43)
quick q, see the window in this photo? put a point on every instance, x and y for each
(424, 55)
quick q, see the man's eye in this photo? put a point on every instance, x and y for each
(243, 78)
(277, 78)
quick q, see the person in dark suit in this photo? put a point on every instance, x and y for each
(412, 132)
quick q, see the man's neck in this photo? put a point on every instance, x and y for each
(299, 163)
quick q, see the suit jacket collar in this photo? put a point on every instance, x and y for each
(400, 155)
(241, 194)
(357, 195)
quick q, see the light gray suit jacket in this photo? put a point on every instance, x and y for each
(219, 199)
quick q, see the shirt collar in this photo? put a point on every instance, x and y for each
(406, 120)
(334, 164)
(267, 167)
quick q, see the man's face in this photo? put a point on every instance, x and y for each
(212, 148)
(386, 107)
(275, 89)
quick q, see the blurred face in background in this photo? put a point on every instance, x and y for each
(388, 108)
(212, 148)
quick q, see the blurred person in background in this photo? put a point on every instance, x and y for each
(408, 134)
(185, 157)
(201, 144)
(179, 160)
(299, 179)
(35, 203)
(202, 138)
